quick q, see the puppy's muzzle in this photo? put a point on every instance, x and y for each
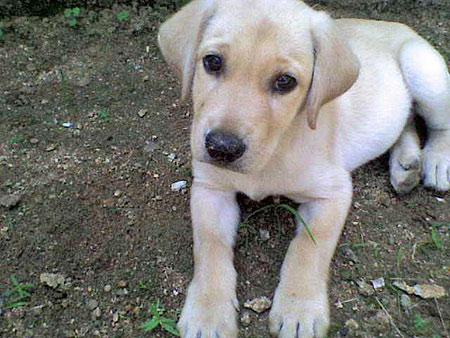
(224, 147)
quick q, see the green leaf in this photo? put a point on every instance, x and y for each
(27, 286)
(122, 16)
(153, 309)
(76, 11)
(68, 13)
(14, 280)
(171, 329)
(435, 238)
(16, 304)
(149, 325)
(72, 22)
(168, 321)
(299, 219)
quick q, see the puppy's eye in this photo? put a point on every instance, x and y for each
(212, 63)
(285, 83)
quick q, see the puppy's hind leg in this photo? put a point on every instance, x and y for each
(428, 80)
(405, 162)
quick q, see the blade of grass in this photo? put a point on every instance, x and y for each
(299, 219)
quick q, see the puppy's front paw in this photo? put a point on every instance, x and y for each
(436, 170)
(208, 314)
(295, 317)
(436, 166)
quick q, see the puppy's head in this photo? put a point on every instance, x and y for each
(253, 66)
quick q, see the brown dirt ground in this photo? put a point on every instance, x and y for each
(96, 205)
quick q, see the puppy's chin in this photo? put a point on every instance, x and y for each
(244, 166)
(237, 167)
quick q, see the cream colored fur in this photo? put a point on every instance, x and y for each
(356, 79)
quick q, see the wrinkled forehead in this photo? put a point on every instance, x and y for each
(248, 26)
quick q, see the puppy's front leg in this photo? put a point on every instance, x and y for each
(300, 306)
(210, 307)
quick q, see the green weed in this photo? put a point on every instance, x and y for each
(18, 139)
(157, 319)
(72, 15)
(141, 285)
(434, 235)
(420, 324)
(123, 15)
(18, 295)
(102, 113)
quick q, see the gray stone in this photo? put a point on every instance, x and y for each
(92, 304)
(10, 201)
(54, 280)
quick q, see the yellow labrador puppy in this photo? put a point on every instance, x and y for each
(288, 102)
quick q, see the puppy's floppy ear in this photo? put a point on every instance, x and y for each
(336, 68)
(180, 36)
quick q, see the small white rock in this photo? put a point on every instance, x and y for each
(177, 186)
(53, 280)
(142, 113)
(264, 234)
(378, 283)
(67, 125)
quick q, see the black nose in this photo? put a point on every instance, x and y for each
(224, 147)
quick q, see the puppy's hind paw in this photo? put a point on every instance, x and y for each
(405, 173)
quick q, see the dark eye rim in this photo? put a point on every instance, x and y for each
(286, 87)
(207, 65)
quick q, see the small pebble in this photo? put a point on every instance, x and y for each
(97, 313)
(364, 288)
(54, 280)
(352, 324)
(122, 284)
(92, 304)
(245, 319)
(107, 288)
(378, 283)
(259, 304)
(67, 125)
(51, 147)
(405, 302)
(142, 113)
(264, 234)
(10, 201)
(177, 186)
